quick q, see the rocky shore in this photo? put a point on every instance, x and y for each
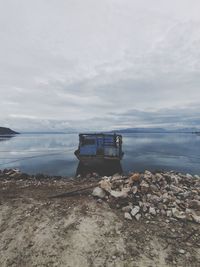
(169, 194)
(141, 219)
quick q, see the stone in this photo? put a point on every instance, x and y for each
(120, 194)
(178, 214)
(105, 184)
(195, 217)
(169, 213)
(134, 178)
(127, 216)
(135, 210)
(144, 187)
(134, 189)
(152, 211)
(189, 176)
(154, 199)
(147, 175)
(194, 204)
(181, 251)
(127, 208)
(98, 192)
(145, 207)
(159, 176)
(138, 216)
(153, 188)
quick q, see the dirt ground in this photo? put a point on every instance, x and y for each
(36, 230)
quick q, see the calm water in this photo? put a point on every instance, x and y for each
(54, 153)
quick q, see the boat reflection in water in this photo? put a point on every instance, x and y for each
(104, 169)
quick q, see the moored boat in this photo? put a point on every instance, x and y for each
(99, 147)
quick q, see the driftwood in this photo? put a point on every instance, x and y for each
(74, 192)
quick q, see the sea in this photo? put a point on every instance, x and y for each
(53, 154)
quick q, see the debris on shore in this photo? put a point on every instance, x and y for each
(145, 219)
(170, 194)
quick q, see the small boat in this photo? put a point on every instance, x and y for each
(99, 148)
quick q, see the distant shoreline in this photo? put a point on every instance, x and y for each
(7, 131)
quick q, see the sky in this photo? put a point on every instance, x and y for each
(99, 65)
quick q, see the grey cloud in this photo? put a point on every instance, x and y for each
(108, 63)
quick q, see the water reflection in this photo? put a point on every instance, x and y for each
(54, 154)
(104, 169)
(6, 137)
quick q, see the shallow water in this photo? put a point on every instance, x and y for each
(53, 154)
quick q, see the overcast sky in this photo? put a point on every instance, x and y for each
(99, 64)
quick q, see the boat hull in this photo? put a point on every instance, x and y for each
(93, 160)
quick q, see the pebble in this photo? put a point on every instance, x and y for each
(127, 216)
(181, 251)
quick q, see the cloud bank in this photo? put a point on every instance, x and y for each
(99, 64)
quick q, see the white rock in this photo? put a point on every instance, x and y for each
(138, 216)
(135, 210)
(152, 211)
(169, 213)
(127, 216)
(181, 251)
(178, 214)
(120, 194)
(98, 192)
(189, 176)
(134, 189)
(105, 184)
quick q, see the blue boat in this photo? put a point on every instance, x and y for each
(99, 147)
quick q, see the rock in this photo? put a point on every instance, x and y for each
(178, 214)
(154, 199)
(159, 176)
(105, 184)
(194, 204)
(152, 211)
(134, 189)
(127, 216)
(135, 210)
(181, 251)
(134, 178)
(145, 207)
(196, 176)
(138, 216)
(154, 188)
(98, 192)
(144, 187)
(147, 175)
(116, 176)
(195, 217)
(169, 213)
(176, 189)
(127, 208)
(120, 194)
(189, 176)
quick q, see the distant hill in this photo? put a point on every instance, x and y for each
(156, 130)
(7, 131)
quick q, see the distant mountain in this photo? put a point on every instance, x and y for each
(157, 130)
(7, 131)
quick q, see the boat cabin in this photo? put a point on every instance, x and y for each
(99, 146)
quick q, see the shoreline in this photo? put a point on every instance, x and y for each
(101, 225)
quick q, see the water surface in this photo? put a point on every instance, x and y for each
(53, 154)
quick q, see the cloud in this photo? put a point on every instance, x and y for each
(77, 63)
